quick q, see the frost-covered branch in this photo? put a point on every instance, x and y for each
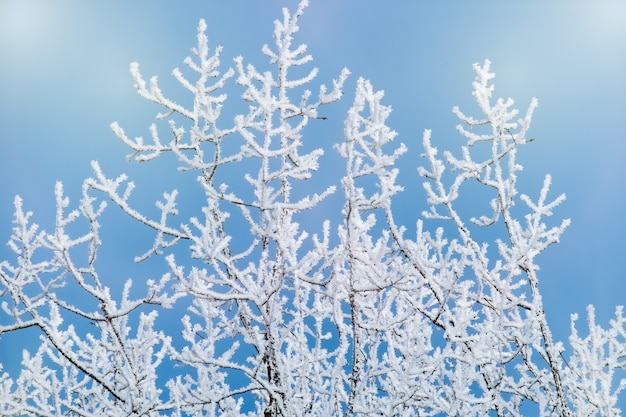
(271, 314)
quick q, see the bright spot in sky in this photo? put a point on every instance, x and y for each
(21, 22)
(604, 23)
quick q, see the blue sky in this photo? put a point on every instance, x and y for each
(64, 78)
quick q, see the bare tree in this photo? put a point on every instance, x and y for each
(356, 319)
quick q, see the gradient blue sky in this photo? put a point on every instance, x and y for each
(64, 78)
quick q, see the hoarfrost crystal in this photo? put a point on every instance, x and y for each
(282, 317)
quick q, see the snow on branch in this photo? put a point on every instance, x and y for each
(272, 314)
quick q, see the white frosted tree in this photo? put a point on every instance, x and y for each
(283, 317)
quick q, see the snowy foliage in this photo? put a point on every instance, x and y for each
(354, 317)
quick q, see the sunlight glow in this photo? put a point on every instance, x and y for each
(21, 22)
(604, 24)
